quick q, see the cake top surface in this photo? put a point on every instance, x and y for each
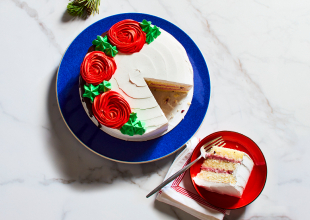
(164, 59)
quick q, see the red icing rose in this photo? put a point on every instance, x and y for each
(111, 109)
(97, 67)
(127, 36)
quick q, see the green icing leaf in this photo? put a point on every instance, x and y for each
(145, 23)
(102, 39)
(128, 129)
(149, 38)
(101, 43)
(146, 26)
(133, 116)
(111, 50)
(139, 128)
(100, 47)
(96, 42)
(91, 91)
(151, 32)
(105, 86)
(133, 126)
(155, 31)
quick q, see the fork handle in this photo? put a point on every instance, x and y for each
(173, 177)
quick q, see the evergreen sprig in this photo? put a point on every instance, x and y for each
(83, 8)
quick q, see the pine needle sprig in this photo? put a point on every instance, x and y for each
(92, 7)
(76, 9)
(83, 8)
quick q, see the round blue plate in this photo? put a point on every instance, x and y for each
(74, 115)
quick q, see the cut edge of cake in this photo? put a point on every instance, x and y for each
(164, 85)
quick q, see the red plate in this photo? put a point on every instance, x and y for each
(257, 178)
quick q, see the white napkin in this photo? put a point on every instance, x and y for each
(181, 192)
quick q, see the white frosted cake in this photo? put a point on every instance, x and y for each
(161, 66)
(225, 171)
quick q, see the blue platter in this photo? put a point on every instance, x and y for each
(74, 115)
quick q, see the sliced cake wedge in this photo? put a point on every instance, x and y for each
(225, 171)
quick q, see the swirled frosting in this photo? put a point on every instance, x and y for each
(97, 67)
(111, 109)
(127, 36)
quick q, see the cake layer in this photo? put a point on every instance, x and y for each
(219, 165)
(225, 154)
(216, 177)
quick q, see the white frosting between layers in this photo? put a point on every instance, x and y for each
(163, 59)
(241, 174)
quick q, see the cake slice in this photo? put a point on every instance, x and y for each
(225, 171)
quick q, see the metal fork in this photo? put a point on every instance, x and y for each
(203, 151)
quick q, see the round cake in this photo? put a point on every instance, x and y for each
(136, 81)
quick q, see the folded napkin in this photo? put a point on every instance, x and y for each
(181, 192)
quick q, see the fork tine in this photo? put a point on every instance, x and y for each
(219, 142)
(214, 140)
(210, 146)
(221, 145)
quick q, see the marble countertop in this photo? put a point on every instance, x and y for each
(258, 55)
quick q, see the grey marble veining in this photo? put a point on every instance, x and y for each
(258, 55)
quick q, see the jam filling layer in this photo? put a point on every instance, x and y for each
(217, 157)
(217, 170)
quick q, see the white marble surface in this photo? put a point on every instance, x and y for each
(258, 54)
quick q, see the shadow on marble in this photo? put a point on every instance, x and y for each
(172, 211)
(235, 214)
(67, 18)
(82, 169)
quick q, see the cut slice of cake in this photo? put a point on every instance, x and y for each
(225, 171)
